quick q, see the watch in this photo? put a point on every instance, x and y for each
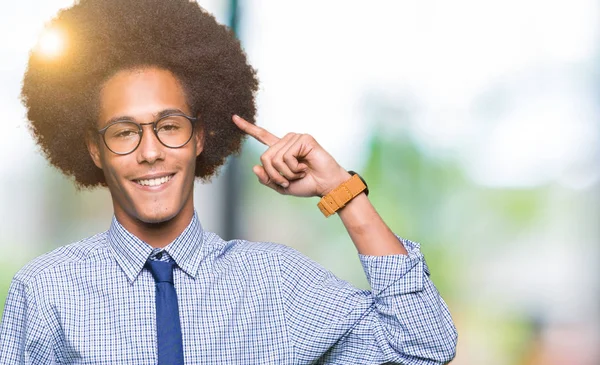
(340, 196)
(361, 179)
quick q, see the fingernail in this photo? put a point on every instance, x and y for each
(285, 185)
(302, 175)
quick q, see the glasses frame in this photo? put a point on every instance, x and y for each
(192, 120)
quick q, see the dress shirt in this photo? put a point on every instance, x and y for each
(240, 302)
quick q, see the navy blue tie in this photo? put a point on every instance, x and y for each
(168, 327)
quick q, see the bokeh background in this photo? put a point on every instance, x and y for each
(475, 123)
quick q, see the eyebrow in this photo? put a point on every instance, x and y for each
(160, 114)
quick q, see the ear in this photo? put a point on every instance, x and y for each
(93, 148)
(199, 139)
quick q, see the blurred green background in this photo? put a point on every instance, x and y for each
(475, 124)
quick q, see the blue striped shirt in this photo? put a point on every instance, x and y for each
(240, 302)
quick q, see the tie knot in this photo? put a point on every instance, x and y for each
(162, 271)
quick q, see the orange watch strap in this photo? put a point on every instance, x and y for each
(340, 196)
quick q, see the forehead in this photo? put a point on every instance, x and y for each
(140, 94)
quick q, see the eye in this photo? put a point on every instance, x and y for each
(167, 127)
(122, 130)
(171, 124)
(125, 133)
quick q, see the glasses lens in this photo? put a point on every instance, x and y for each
(174, 130)
(122, 137)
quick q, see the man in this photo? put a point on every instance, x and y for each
(145, 98)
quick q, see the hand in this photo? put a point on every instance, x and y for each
(295, 164)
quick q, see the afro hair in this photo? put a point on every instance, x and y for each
(102, 37)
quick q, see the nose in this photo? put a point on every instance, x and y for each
(150, 148)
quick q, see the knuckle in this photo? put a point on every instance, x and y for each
(308, 137)
(265, 159)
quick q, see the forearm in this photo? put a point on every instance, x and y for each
(368, 231)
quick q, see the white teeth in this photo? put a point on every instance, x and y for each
(154, 182)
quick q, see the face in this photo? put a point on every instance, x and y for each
(154, 183)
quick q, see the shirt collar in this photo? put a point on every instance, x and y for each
(131, 253)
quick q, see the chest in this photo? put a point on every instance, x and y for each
(229, 314)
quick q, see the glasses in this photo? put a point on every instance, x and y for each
(172, 130)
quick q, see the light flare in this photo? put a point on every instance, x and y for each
(51, 43)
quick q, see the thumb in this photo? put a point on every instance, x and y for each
(264, 179)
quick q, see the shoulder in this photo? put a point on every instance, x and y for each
(246, 247)
(287, 258)
(61, 257)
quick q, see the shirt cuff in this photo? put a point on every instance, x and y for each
(396, 274)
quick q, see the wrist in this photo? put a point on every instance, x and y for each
(341, 177)
(352, 186)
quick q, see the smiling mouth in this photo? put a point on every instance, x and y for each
(154, 182)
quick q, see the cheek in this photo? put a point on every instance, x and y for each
(113, 171)
(193, 166)
(190, 156)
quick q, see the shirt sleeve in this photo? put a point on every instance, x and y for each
(23, 337)
(401, 320)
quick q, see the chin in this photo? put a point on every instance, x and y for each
(156, 217)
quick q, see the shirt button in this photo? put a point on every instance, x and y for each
(159, 255)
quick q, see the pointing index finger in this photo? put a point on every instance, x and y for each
(260, 134)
